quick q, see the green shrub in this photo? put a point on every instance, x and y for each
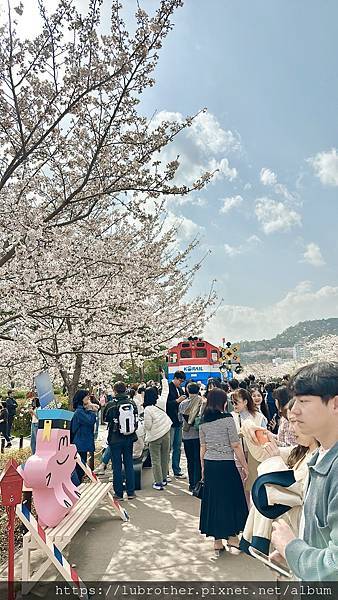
(63, 402)
(19, 455)
(22, 420)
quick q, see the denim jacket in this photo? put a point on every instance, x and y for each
(315, 558)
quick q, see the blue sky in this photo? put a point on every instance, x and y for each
(267, 72)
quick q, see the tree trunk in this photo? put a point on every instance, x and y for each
(133, 369)
(65, 378)
(74, 383)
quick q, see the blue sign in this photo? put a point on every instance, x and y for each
(44, 389)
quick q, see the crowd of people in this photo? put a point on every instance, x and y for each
(263, 457)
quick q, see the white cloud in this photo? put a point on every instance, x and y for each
(223, 168)
(325, 165)
(202, 147)
(187, 229)
(165, 115)
(248, 245)
(207, 134)
(190, 199)
(268, 177)
(249, 323)
(276, 216)
(229, 203)
(313, 255)
(232, 250)
(254, 239)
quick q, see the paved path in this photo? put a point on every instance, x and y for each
(15, 441)
(161, 542)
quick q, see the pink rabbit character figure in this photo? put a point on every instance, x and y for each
(48, 472)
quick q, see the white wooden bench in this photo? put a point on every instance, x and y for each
(92, 494)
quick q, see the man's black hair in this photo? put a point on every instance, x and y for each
(316, 379)
(193, 387)
(120, 387)
(281, 393)
(234, 383)
(150, 396)
(179, 375)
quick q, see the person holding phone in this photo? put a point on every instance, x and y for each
(189, 414)
(175, 397)
(278, 461)
(82, 427)
(312, 555)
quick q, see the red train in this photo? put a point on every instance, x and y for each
(196, 357)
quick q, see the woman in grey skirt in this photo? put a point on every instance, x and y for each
(224, 509)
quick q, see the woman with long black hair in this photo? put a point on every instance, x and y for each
(224, 509)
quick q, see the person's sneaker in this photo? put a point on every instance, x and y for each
(157, 486)
(100, 469)
(132, 496)
(164, 482)
(119, 498)
(181, 476)
(9, 445)
(168, 479)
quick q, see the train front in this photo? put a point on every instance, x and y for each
(197, 358)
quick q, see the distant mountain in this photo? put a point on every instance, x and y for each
(301, 333)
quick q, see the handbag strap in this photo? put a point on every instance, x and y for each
(240, 425)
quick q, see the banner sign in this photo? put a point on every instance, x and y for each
(44, 389)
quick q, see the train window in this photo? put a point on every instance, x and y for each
(186, 353)
(185, 345)
(214, 356)
(173, 357)
(201, 353)
(200, 344)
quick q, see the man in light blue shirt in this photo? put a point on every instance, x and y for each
(313, 556)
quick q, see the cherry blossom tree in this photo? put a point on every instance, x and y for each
(324, 348)
(73, 143)
(89, 274)
(86, 302)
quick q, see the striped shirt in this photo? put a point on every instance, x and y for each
(218, 435)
